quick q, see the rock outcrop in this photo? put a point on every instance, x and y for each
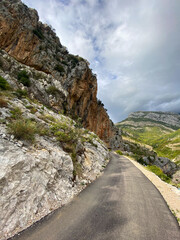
(35, 44)
(167, 166)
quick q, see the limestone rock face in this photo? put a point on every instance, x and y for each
(35, 44)
(36, 178)
(33, 182)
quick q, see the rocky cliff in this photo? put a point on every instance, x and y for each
(46, 157)
(35, 44)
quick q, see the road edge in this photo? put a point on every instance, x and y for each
(156, 181)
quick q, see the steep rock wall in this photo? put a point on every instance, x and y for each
(36, 45)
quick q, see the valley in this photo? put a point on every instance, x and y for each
(158, 130)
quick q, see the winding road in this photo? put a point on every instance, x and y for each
(121, 205)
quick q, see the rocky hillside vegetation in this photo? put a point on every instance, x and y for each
(72, 87)
(160, 130)
(46, 157)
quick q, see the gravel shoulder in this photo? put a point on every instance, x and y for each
(170, 194)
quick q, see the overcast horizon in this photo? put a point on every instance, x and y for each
(132, 46)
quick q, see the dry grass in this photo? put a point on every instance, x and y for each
(3, 102)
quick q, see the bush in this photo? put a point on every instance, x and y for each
(38, 33)
(3, 102)
(23, 129)
(52, 90)
(21, 93)
(73, 59)
(50, 118)
(59, 68)
(24, 78)
(16, 113)
(65, 137)
(119, 152)
(141, 161)
(159, 173)
(99, 102)
(42, 130)
(4, 85)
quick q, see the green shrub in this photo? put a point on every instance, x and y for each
(42, 130)
(141, 161)
(23, 129)
(159, 173)
(119, 152)
(4, 85)
(21, 93)
(16, 113)
(32, 109)
(24, 78)
(50, 118)
(80, 58)
(38, 33)
(59, 68)
(65, 132)
(90, 139)
(73, 59)
(60, 126)
(65, 63)
(52, 90)
(65, 137)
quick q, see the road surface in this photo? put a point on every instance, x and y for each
(121, 205)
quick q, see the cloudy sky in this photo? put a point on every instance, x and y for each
(132, 45)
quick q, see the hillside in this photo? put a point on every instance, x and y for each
(160, 130)
(46, 158)
(71, 83)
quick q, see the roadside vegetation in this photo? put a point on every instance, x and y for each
(159, 173)
(119, 152)
(4, 85)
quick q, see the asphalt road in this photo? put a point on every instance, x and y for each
(121, 205)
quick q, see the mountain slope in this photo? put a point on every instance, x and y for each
(35, 44)
(157, 129)
(46, 157)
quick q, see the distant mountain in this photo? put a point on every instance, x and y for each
(166, 119)
(160, 130)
